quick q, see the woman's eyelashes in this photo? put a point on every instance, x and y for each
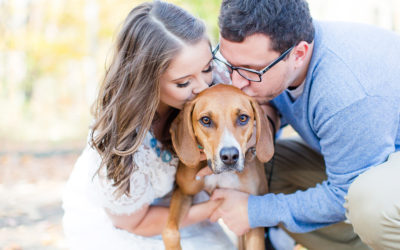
(183, 85)
(209, 69)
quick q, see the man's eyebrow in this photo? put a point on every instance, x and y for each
(252, 66)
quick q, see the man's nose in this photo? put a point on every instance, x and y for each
(239, 81)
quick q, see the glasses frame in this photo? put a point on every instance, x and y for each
(259, 73)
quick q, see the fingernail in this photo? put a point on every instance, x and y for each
(198, 178)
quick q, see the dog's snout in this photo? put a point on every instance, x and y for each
(229, 156)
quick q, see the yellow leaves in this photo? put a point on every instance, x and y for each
(52, 57)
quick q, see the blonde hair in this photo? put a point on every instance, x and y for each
(151, 36)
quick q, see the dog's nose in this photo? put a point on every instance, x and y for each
(229, 156)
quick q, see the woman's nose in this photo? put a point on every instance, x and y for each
(200, 86)
(239, 81)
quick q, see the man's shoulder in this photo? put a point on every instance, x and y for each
(351, 37)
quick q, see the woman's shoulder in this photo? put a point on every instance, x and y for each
(150, 154)
(152, 178)
(152, 151)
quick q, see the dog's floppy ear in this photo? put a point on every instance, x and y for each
(265, 141)
(183, 138)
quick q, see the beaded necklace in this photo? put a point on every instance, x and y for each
(165, 155)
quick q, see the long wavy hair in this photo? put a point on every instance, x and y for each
(151, 36)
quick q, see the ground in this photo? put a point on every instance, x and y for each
(31, 186)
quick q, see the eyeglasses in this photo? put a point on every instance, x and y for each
(250, 74)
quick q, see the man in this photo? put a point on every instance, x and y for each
(338, 86)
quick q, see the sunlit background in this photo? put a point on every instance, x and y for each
(52, 57)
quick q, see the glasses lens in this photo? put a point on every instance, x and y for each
(221, 64)
(249, 75)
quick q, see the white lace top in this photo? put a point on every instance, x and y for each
(153, 178)
(87, 226)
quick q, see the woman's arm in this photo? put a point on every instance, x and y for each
(151, 220)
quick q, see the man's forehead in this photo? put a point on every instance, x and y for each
(253, 50)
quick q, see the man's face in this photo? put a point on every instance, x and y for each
(255, 53)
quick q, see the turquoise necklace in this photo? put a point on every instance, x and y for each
(165, 155)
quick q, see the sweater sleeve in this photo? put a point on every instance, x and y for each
(352, 140)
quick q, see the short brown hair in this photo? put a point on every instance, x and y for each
(285, 22)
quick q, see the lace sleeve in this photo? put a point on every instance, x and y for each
(140, 194)
(151, 179)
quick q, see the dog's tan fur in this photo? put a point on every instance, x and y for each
(223, 105)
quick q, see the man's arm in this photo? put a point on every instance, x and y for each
(345, 138)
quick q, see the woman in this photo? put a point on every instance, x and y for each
(116, 197)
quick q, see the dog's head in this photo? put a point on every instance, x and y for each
(221, 120)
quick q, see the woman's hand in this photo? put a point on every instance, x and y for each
(151, 220)
(201, 211)
(203, 172)
(203, 156)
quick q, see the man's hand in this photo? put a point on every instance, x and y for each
(233, 210)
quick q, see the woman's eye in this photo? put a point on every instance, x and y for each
(205, 121)
(243, 119)
(182, 85)
(209, 69)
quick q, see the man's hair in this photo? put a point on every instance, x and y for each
(285, 22)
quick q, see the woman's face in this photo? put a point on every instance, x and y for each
(189, 73)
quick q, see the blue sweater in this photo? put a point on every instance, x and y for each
(349, 111)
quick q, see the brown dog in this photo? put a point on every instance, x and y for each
(220, 120)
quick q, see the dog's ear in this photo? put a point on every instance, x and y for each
(265, 141)
(183, 138)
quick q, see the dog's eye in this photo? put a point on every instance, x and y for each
(243, 119)
(205, 121)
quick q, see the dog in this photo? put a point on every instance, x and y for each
(220, 121)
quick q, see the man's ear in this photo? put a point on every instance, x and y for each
(183, 139)
(265, 141)
(300, 53)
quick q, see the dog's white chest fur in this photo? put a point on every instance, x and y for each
(222, 180)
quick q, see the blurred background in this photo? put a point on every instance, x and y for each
(52, 57)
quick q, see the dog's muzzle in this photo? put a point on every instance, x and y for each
(229, 160)
(229, 156)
